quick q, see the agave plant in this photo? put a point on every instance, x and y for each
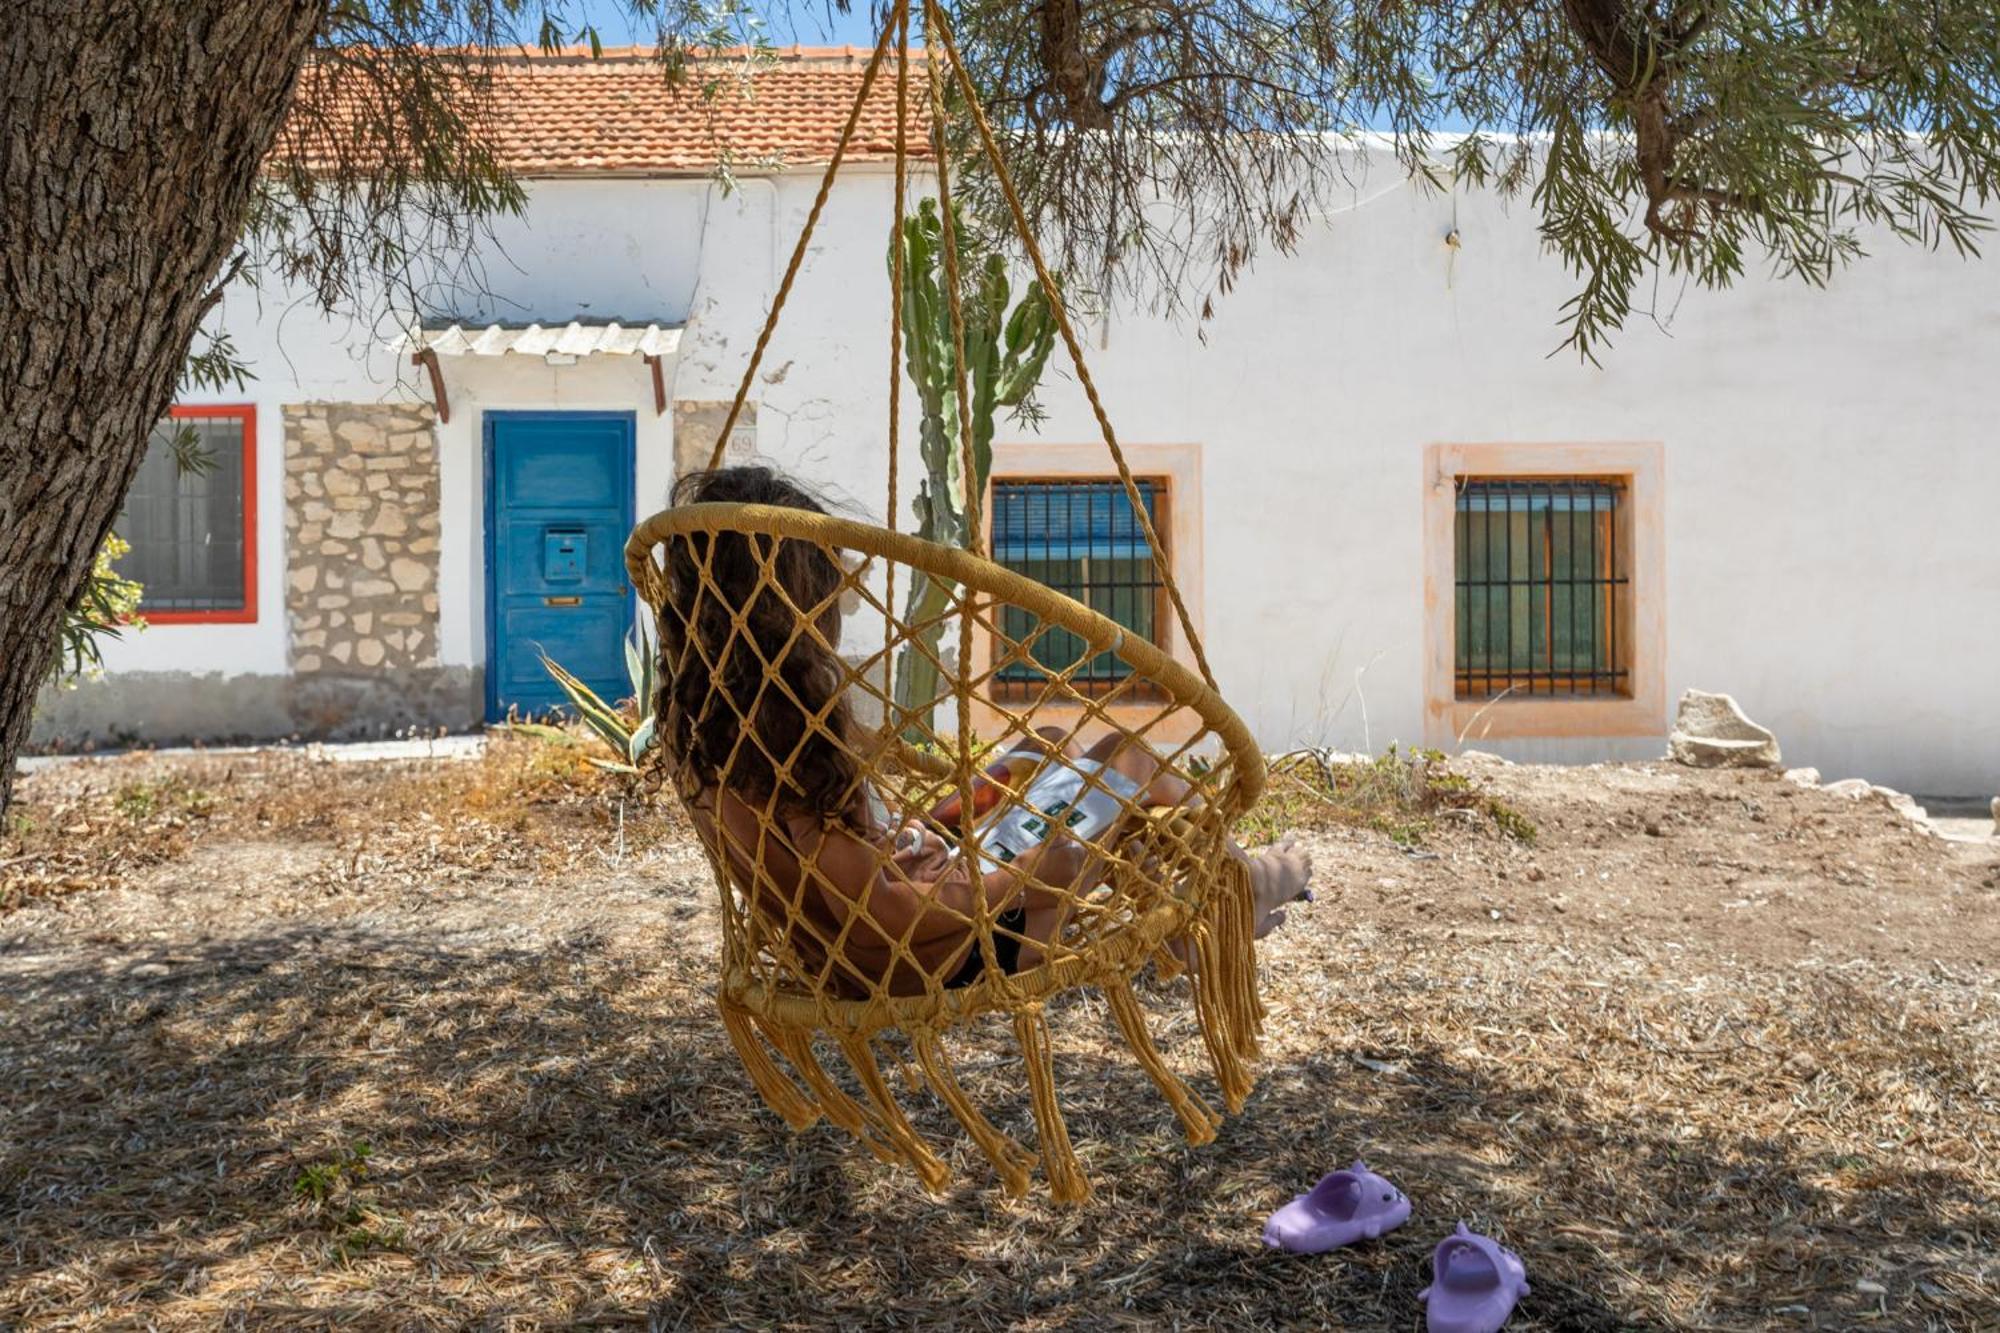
(628, 735)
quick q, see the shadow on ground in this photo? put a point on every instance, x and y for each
(561, 1137)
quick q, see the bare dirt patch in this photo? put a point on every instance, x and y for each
(1712, 1052)
(1726, 864)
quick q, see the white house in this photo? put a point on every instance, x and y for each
(1394, 513)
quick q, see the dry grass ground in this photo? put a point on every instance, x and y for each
(1711, 1052)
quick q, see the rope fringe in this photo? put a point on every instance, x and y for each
(1225, 983)
(834, 1103)
(1067, 1182)
(1010, 1160)
(1196, 1118)
(902, 1136)
(782, 1095)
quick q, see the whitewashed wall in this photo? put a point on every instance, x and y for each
(1831, 476)
(1831, 466)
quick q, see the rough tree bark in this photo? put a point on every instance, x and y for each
(1075, 76)
(131, 132)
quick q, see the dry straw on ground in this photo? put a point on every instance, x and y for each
(1711, 1051)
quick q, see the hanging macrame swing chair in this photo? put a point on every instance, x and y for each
(1160, 885)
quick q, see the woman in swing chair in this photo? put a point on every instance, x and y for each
(786, 803)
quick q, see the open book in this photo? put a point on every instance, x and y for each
(1060, 798)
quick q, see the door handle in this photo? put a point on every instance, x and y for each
(562, 601)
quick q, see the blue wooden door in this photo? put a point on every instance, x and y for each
(558, 508)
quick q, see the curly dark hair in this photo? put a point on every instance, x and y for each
(712, 685)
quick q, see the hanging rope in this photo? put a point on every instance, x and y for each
(955, 303)
(940, 28)
(896, 261)
(968, 483)
(805, 238)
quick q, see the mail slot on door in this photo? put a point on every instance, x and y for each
(563, 552)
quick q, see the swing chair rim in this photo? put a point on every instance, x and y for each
(1246, 776)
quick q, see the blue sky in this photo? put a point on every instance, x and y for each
(792, 22)
(805, 22)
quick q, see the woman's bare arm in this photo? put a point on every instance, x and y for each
(933, 906)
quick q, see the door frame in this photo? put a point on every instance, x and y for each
(628, 494)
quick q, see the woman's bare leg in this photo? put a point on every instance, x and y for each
(1060, 867)
(1047, 740)
(1279, 875)
(1158, 785)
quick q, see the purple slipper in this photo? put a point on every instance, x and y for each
(1346, 1206)
(1474, 1284)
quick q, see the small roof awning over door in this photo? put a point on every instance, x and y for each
(554, 343)
(577, 338)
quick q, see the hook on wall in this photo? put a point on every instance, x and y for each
(1453, 243)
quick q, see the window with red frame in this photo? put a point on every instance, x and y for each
(193, 532)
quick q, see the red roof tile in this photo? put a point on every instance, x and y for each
(570, 113)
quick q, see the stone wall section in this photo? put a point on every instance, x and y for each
(361, 537)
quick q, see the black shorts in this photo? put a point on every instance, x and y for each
(1006, 949)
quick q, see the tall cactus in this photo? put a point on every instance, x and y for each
(1004, 356)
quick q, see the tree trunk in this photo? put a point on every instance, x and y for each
(1073, 73)
(131, 133)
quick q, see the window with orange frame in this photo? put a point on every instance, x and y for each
(193, 530)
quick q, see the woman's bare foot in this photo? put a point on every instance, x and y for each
(1279, 876)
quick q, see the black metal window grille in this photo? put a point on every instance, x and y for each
(1543, 598)
(1080, 537)
(185, 528)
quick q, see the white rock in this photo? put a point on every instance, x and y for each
(1852, 789)
(1904, 804)
(1803, 777)
(1711, 731)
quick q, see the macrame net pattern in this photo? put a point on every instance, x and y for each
(826, 944)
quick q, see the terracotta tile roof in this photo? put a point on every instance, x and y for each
(570, 113)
